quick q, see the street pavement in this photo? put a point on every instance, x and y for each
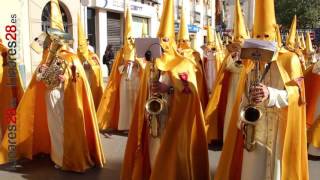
(41, 168)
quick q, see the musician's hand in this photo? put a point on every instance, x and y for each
(235, 57)
(43, 68)
(211, 55)
(259, 93)
(61, 78)
(159, 87)
(86, 66)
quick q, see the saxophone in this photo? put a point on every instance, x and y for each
(56, 65)
(252, 113)
(155, 103)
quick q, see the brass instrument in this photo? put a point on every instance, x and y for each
(56, 65)
(252, 113)
(155, 103)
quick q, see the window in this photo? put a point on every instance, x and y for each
(91, 21)
(66, 17)
(137, 26)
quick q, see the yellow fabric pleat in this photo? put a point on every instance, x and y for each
(108, 110)
(96, 79)
(294, 161)
(223, 170)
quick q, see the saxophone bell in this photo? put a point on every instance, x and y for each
(251, 114)
(155, 105)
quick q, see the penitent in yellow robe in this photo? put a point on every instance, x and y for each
(82, 148)
(8, 93)
(94, 76)
(109, 109)
(291, 130)
(182, 152)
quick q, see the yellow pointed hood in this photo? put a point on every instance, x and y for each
(210, 37)
(218, 41)
(128, 53)
(83, 50)
(194, 44)
(298, 42)
(144, 29)
(183, 32)
(264, 26)
(170, 57)
(166, 28)
(279, 39)
(291, 38)
(56, 21)
(239, 27)
(303, 43)
(309, 49)
(128, 25)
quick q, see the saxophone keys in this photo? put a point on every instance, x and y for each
(154, 126)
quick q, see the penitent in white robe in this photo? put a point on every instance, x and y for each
(55, 115)
(264, 162)
(211, 70)
(129, 86)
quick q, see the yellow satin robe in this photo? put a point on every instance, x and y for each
(82, 147)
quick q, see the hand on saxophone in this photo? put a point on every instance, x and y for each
(236, 58)
(43, 68)
(61, 78)
(259, 93)
(86, 66)
(159, 87)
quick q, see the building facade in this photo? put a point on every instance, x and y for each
(33, 18)
(247, 9)
(104, 22)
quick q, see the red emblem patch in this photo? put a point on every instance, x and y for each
(184, 78)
